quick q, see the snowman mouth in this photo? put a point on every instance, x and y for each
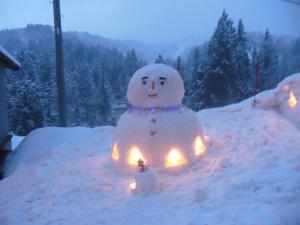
(152, 95)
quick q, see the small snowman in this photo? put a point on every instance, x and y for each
(157, 128)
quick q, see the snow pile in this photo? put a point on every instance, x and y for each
(280, 94)
(249, 175)
(285, 99)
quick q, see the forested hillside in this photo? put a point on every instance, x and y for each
(218, 72)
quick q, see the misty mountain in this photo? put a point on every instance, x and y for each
(97, 71)
(145, 51)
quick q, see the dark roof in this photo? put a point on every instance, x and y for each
(7, 61)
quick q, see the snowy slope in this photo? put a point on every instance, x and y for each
(250, 175)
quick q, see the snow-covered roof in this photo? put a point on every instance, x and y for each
(7, 61)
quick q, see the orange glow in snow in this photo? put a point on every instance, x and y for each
(175, 158)
(199, 146)
(286, 87)
(292, 100)
(134, 156)
(115, 152)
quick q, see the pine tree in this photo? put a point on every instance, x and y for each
(294, 57)
(196, 96)
(195, 62)
(220, 80)
(85, 95)
(48, 91)
(269, 63)
(242, 64)
(131, 65)
(131, 62)
(160, 59)
(181, 68)
(105, 103)
(25, 109)
(116, 81)
(195, 66)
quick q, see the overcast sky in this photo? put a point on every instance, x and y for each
(153, 21)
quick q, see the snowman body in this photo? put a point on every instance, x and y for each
(157, 128)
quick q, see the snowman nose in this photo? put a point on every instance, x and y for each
(153, 85)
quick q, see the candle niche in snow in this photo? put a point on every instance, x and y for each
(157, 128)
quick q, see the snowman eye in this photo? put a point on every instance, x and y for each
(162, 80)
(144, 80)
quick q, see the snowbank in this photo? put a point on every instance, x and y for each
(249, 175)
(279, 94)
(16, 140)
(285, 99)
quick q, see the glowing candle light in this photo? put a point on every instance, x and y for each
(292, 100)
(134, 156)
(115, 152)
(199, 146)
(175, 158)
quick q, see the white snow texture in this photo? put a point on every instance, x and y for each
(248, 176)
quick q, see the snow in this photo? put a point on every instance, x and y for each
(146, 182)
(279, 94)
(16, 140)
(277, 99)
(249, 175)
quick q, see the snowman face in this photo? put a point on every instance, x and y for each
(155, 85)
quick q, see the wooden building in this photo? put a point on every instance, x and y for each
(6, 62)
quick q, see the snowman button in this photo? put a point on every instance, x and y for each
(153, 120)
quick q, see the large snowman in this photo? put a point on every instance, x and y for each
(157, 128)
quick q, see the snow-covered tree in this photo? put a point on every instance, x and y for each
(131, 63)
(105, 102)
(294, 56)
(214, 73)
(220, 78)
(48, 90)
(25, 108)
(268, 57)
(242, 63)
(197, 89)
(160, 59)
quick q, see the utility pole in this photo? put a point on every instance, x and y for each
(59, 64)
(257, 80)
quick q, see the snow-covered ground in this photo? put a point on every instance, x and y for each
(250, 175)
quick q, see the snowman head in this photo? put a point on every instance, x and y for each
(155, 85)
